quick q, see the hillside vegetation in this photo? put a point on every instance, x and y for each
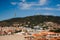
(36, 19)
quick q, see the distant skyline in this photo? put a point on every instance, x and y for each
(24, 8)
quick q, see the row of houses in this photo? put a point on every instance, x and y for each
(9, 30)
(44, 35)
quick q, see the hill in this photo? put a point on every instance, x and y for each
(36, 19)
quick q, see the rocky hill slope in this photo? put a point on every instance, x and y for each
(36, 19)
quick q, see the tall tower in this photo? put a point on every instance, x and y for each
(14, 4)
(15, 14)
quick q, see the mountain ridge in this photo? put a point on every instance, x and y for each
(36, 19)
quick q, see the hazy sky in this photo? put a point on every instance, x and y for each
(24, 8)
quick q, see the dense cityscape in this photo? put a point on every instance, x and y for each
(40, 31)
